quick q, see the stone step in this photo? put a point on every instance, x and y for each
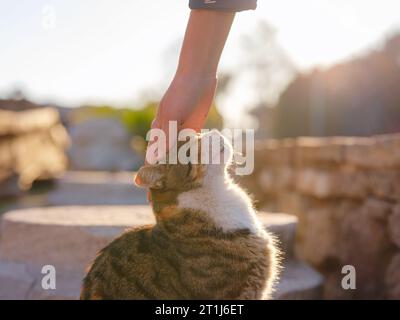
(298, 281)
(96, 188)
(66, 237)
(23, 281)
(15, 281)
(69, 238)
(283, 227)
(56, 234)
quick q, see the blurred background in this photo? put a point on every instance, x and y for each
(80, 82)
(288, 69)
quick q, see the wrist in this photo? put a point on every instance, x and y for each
(195, 79)
(196, 70)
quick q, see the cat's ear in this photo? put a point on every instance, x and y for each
(150, 176)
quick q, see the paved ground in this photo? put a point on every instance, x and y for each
(96, 188)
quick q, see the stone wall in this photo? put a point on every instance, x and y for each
(346, 194)
(32, 147)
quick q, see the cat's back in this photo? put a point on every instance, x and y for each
(120, 267)
(145, 263)
(185, 257)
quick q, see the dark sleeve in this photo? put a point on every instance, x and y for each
(223, 5)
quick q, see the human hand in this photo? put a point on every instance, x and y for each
(190, 95)
(187, 101)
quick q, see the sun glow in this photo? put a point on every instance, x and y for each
(111, 53)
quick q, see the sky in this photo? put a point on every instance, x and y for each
(103, 51)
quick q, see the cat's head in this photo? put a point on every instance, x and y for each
(200, 161)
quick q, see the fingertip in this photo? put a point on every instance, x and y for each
(136, 180)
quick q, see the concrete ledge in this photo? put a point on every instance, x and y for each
(66, 237)
(96, 188)
(70, 237)
(15, 281)
(299, 282)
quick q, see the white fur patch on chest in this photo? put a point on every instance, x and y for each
(227, 204)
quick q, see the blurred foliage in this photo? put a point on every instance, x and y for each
(136, 121)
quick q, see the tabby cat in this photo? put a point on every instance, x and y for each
(207, 242)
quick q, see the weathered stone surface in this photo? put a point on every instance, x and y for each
(376, 208)
(364, 243)
(325, 184)
(68, 285)
(316, 240)
(377, 152)
(276, 180)
(6, 157)
(315, 183)
(15, 123)
(298, 282)
(292, 202)
(96, 188)
(392, 278)
(311, 151)
(46, 158)
(102, 144)
(17, 102)
(21, 281)
(9, 187)
(32, 145)
(333, 289)
(275, 152)
(384, 184)
(345, 192)
(56, 234)
(394, 225)
(15, 281)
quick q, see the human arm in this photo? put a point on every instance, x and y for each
(191, 92)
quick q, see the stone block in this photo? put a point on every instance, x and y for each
(394, 225)
(376, 208)
(376, 152)
(316, 240)
(364, 244)
(298, 282)
(392, 278)
(65, 237)
(15, 281)
(384, 184)
(276, 180)
(318, 151)
(330, 184)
